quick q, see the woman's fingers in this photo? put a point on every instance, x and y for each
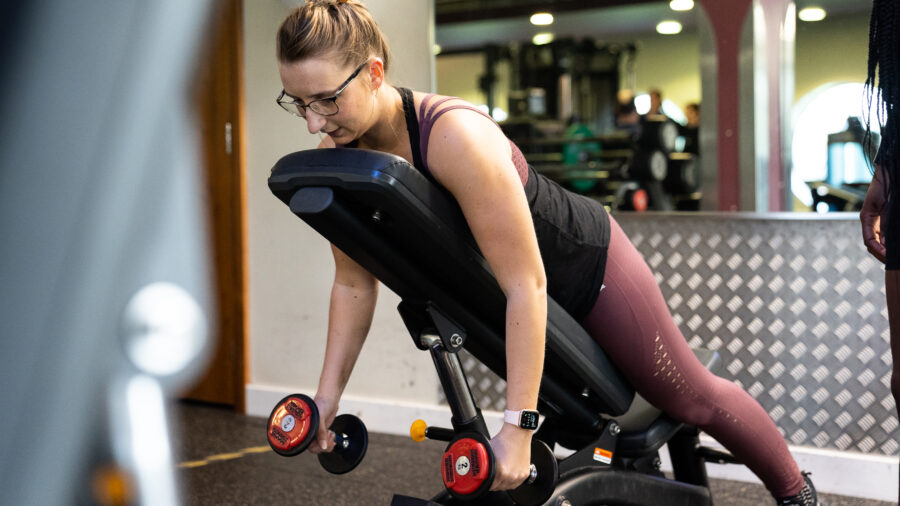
(506, 480)
(871, 231)
(324, 442)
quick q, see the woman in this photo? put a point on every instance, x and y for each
(537, 238)
(879, 214)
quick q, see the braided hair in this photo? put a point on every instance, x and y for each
(883, 83)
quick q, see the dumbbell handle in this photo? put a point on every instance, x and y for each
(532, 474)
(341, 442)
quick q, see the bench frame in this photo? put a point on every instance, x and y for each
(411, 235)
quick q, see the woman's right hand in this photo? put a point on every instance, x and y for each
(874, 217)
(324, 438)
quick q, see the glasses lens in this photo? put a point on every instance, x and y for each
(293, 108)
(325, 107)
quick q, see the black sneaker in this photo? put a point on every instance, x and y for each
(806, 497)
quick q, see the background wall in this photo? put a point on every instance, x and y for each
(669, 63)
(289, 265)
(457, 76)
(834, 49)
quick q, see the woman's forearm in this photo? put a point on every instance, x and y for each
(526, 321)
(349, 319)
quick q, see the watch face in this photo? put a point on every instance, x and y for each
(529, 420)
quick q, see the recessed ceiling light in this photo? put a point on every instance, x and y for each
(681, 5)
(668, 27)
(811, 14)
(542, 38)
(542, 18)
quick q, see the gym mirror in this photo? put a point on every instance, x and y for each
(575, 94)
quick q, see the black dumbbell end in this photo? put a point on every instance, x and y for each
(539, 487)
(351, 440)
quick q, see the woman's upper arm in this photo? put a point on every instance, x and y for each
(349, 273)
(469, 155)
(346, 270)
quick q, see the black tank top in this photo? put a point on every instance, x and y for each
(572, 230)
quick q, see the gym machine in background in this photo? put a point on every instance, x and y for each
(847, 179)
(637, 169)
(562, 114)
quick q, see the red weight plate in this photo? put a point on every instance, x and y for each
(465, 466)
(290, 424)
(639, 200)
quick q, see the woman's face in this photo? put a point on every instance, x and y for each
(321, 78)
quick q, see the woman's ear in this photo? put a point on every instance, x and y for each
(376, 73)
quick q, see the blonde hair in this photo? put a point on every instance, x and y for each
(322, 27)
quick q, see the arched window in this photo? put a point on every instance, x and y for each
(823, 111)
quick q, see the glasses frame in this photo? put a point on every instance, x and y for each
(298, 106)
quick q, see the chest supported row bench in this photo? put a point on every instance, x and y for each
(411, 235)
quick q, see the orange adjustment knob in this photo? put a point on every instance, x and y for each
(417, 431)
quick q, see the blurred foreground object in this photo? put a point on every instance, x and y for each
(104, 264)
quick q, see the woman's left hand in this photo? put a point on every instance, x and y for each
(512, 452)
(873, 217)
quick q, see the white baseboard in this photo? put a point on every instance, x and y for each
(834, 472)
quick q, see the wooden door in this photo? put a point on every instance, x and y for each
(219, 99)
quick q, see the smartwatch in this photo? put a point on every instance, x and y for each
(525, 419)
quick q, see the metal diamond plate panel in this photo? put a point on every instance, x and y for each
(796, 309)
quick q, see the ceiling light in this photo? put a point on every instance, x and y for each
(668, 27)
(812, 14)
(542, 38)
(681, 5)
(542, 18)
(436, 49)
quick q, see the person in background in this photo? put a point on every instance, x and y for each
(880, 214)
(691, 131)
(655, 102)
(627, 117)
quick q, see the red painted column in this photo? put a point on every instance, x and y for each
(727, 20)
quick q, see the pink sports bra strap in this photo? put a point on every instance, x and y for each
(424, 104)
(430, 113)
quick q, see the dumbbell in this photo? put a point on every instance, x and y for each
(293, 425)
(658, 132)
(468, 467)
(683, 175)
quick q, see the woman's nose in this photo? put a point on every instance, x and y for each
(314, 122)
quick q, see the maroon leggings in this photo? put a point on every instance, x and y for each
(632, 323)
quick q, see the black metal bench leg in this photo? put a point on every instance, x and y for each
(688, 464)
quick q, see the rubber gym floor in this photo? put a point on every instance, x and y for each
(223, 458)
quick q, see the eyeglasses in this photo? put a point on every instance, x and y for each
(322, 107)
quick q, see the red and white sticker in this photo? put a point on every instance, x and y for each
(603, 456)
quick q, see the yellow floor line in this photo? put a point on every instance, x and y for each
(257, 449)
(224, 456)
(193, 463)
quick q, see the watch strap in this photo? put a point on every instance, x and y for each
(516, 418)
(512, 417)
